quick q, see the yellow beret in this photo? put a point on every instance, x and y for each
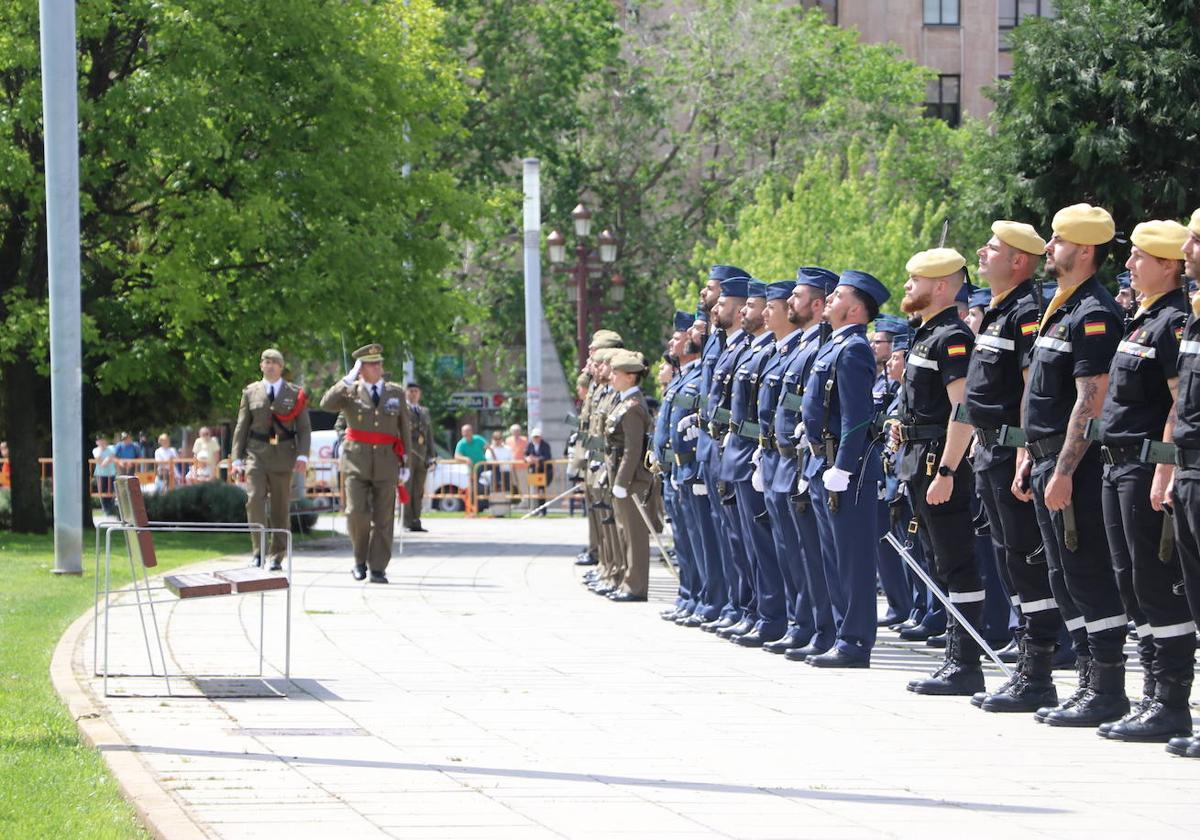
(1019, 235)
(1159, 238)
(271, 354)
(1084, 224)
(369, 353)
(1194, 224)
(627, 361)
(936, 262)
(605, 338)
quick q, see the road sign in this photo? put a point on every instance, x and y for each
(478, 400)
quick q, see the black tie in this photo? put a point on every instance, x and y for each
(375, 395)
(271, 394)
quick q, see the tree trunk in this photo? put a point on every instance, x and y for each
(20, 389)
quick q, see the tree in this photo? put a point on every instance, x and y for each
(243, 184)
(1099, 108)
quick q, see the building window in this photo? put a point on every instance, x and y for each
(1012, 12)
(943, 99)
(941, 12)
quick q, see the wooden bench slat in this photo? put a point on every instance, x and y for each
(252, 580)
(197, 585)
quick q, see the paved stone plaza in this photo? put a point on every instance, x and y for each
(485, 694)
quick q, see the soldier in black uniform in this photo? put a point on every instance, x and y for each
(932, 456)
(1068, 377)
(1141, 384)
(1183, 490)
(995, 382)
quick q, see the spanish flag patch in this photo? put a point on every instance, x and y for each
(1179, 333)
(1029, 329)
(1095, 328)
(956, 350)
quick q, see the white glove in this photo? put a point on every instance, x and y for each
(353, 374)
(798, 432)
(674, 482)
(619, 491)
(653, 458)
(725, 440)
(405, 475)
(756, 481)
(802, 487)
(803, 441)
(692, 433)
(698, 489)
(236, 465)
(835, 480)
(756, 458)
(690, 420)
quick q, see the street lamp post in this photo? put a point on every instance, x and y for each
(581, 290)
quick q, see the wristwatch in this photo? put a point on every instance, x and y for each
(944, 470)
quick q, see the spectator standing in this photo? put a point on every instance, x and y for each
(207, 454)
(127, 452)
(516, 443)
(470, 450)
(537, 456)
(105, 456)
(164, 463)
(502, 470)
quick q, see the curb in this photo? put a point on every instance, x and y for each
(156, 809)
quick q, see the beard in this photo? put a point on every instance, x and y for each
(793, 317)
(912, 304)
(692, 348)
(753, 324)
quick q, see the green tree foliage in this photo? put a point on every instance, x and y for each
(843, 211)
(1100, 108)
(244, 183)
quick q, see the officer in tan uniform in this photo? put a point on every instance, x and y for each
(374, 457)
(270, 441)
(600, 501)
(626, 429)
(422, 457)
(583, 450)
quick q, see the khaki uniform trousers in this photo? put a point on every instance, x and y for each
(275, 488)
(635, 540)
(416, 496)
(370, 519)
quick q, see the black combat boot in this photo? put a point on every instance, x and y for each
(1032, 686)
(979, 696)
(1164, 717)
(1135, 709)
(1103, 701)
(1083, 667)
(961, 674)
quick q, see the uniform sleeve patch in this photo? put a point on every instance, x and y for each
(1030, 328)
(1179, 333)
(1094, 328)
(956, 350)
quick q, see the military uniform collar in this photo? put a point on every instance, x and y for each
(1009, 299)
(950, 313)
(1174, 296)
(786, 343)
(760, 341)
(811, 332)
(736, 335)
(686, 366)
(630, 392)
(843, 332)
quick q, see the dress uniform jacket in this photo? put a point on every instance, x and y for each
(626, 428)
(770, 391)
(796, 367)
(367, 461)
(264, 440)
(684, 400)
(744, 430)
(714, 346)
(848, 358)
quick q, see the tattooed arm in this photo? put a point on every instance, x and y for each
(1089, 401)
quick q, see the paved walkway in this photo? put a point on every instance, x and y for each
(485, 694)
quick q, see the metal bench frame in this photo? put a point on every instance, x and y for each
(139, 542)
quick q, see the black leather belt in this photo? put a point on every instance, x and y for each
(908, 434)
(1187, 459)
(1046, 447)
(684, 458)
(1117, 456)
(266, 436)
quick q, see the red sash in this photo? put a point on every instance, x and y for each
(383, 439)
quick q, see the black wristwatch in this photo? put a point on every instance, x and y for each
(944, 470)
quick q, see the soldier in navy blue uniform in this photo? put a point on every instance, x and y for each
(845, 467)
(1068, 377)
(931, 457)
(1182, 494)
(765, 581)
(1142, 381)
(995, 383)
(807, 306)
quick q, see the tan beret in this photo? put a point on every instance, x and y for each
(605, 338)
(1194, 224)
(1160, 238)
(1019, 235)
(604, 354)
(627, 361)
(271, 355)
(1084, 224)
(936, 262)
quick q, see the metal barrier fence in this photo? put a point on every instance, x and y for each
(502, 487)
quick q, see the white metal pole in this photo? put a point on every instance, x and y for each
(533, 291)
(61, 118)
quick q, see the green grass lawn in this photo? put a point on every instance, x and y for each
(51, 784)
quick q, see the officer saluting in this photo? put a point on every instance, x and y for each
(844, 469)
(1142, 381)
(272, 437)
(373, 457)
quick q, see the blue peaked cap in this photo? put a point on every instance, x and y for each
(684, 320)
(964, 293)
(735, 287)
(756, 288)
(891, 324)
(817, 277)
(866, 284)
(780, 289)
(1123, 280)
(900, 342)
(981, 298)
(727, 272)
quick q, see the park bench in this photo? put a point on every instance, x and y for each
(139, 541)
